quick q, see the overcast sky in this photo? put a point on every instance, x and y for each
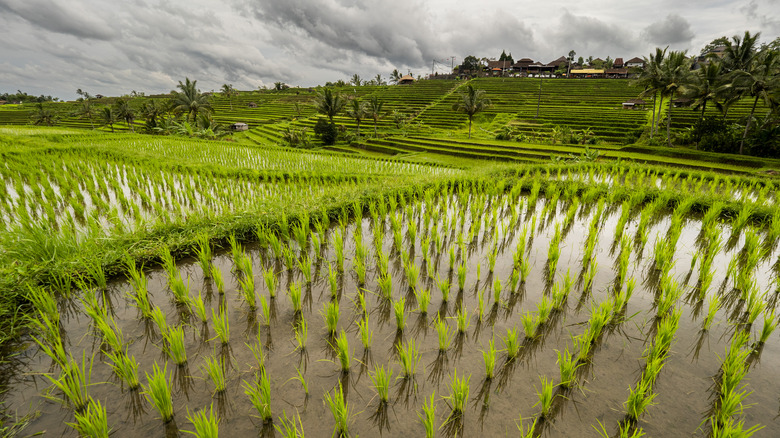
(113, 47)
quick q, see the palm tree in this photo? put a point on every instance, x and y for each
(190, 100)
(379, 81)
(85, 111)
(356, 81)
(43, 116)
(329, 103)
(471, 103)
(228, 91)
(153, 112)
(358, 111)
(706, 85)
(395, 76)
(739, 52)
(125, 112)
(760, 81)
(569, 60)
(108, 117)
(374, 109)
(650, 78)
(675, 74)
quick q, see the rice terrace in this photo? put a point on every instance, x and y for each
(487, 255)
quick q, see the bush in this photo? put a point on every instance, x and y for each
(765, 142)
(715, 134)
(326, 131)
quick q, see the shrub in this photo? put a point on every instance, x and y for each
(327, 132)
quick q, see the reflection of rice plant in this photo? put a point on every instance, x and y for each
(366, 335)
(174, 345)
(489, 356)
(221, 325)
(295, 297)
(330, 312)
(409, 357)
(428, 416)
(125, 367)
(259, 394)
(213, 368)
(206, 425)
(443, 333)
(511, 344)
(158, 392)
(381, 381)
(342, 351)
(545, 394)
(339, 407)
(216, 274)
(400, 314)
(270, 282)
(92, 421)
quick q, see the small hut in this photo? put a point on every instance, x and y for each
(239, 126)
(633, 104)
(406, 79)
(252, 105)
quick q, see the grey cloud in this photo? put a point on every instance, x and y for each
(673, 30)
(69, 19)
(590, 36)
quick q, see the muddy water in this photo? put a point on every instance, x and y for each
(684, 387)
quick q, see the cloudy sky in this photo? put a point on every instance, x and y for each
(112, 47)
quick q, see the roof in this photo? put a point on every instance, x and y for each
(588, 71)
(406, 78)
(559, 61)
(618, 61)
(616, 71)
(636, 59)
(499, 64)
(635, 102)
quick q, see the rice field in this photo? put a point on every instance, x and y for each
(574, 300)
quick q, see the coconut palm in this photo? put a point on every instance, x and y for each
(374, 109)
(739, 52)
(706, 85)
(675, 74)
(329, 103)
(356, 81)
(125, 112)
(108, 117)
(228, 91)
(760, 81)
(471, 103)
(358, 111)
(189, 100)
(153, 112)
(378, 80)
(43, 116)
(650, 78)
(395, 76)
(85, 111)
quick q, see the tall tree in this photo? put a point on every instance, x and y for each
(395, 76)
(374, 109)
(378, 80)
(358, 111)
(108, 117)
(706, 85)
(189, 100)
(760, 81)
(650, 79)
(86, 111)
(355, 80)
(471, 103)
(676, 72)
(739, 52)
(228, 91)
(329, 103)
(125, 112)
(43, 115)
(569, 60)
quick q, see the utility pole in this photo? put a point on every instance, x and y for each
(433, 63)
(539, 102)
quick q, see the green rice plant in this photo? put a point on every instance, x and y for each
(247, 285)
(43, 302)
(92, 421)
(529, 322)
(304, 264)
(221, 325)
(265, 311)
(236, 250)
(125, 367)
(216, 274)
(461, 276)
(360, 270)
(492, 255)
(513, 280)
(381, 380)
(511, 344)
(294, 292)
(173, 345)
(412, 274)
(567, 365)
(270, 282)
(203, 253)
(409, 357)
(525, 269)
(459, 394)
(386, 287)
(400, 314)
(339, 407)
(489, 356)
(443, 334)
(74, 382)
(361, 299)
(366, 335)
(244, 265)
(159, 319)
(333, 281)
(496, 292)
(462, 319)
(181, 293)
(423, 300)
(543, 310)
(640, 398)
(444, 288)
(289, 258)
(288, 427)
(428, 416)
(742, 219)
(301, 334)
(257, 353)
(198, 308)
(770, 323)
(206, 425)
(342, 351)
(330, 311)
(169, 264)
(214, 369)
(259, 393)
(110, 332)
(383, 262)
(452, 258)
(158, 392)
(338, 248)
(545, 394)
(276, 245)
(712, 310)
